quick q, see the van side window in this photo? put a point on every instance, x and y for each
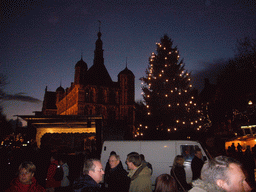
(188, 151)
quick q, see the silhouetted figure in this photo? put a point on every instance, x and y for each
(197, 164)
(233, 149)
(249, 166)
(254, 150)
(239, 148)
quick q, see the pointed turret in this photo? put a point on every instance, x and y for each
(126, 83)
(98, 74)
(80, 72)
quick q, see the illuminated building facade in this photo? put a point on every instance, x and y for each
(93, 93)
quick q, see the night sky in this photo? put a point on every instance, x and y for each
(41, 42)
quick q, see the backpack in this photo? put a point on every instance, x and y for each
(58, 176)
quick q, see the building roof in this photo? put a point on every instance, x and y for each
(81, 64)
(60, 89)
(98, 75)
(50, 100)
(126, 71)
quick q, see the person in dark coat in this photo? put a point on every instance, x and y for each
(51, 183)
(179, 174)
(197, 164)
(107, 167)
(92, 176)
(117, 178)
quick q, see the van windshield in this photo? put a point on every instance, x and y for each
(188, 151)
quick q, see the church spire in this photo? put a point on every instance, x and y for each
(98, 53)
(99, 24)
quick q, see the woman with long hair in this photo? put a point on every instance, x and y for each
(179, 174)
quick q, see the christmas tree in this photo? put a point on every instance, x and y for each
(168, 93)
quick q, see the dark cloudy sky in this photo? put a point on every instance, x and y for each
(41, 41)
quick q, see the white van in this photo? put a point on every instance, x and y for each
(159, 153)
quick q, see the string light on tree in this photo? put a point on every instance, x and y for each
(167, 75)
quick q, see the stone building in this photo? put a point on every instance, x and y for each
(93, 93)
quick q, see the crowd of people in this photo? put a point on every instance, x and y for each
(219, 174)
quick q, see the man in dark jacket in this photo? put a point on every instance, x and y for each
(197, 164)
(92, 176)
(116, 179)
